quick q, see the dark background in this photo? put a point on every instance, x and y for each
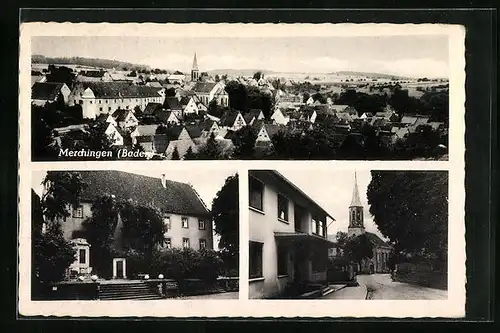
(481, 119)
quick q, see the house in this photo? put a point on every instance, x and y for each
(381, 249)
(144, 131)
(339, 107)
(208, 127)
(105, 97)
(115, 135)
(189, 105)
(106, 118)
(49, 92)
(287, 236)
(208, 91)
(93, 76)
(186, 216)
(232, 120)
(265, 133)
(249, 119)
(125, 119)
(176, 78)
(308, 115)
(278, 117)
(310, 101)
(179, 138)
(173, 104)
(37, 77)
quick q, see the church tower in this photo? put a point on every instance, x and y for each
(195, 73)
(356, 225)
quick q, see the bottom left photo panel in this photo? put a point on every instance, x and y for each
(138, 235)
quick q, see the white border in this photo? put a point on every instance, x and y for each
(454, 306)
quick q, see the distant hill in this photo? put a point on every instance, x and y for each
(370, 75)
(91, 62)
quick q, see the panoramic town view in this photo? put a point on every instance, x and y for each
(115, 235)
(383, 235)
(296, 98)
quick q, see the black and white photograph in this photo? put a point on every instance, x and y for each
(115, 235)
(378, 97)
(366, 235)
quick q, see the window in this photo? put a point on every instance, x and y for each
(314, 226)
(203, 243)
(90, 102)
(82, 254)
(100, 109)
(100, 102)
(166, 221)
(282, 207)
(167, 243)
(106, 101)
(78, 212)
(282, 260)
(185, 243)
(109, 108)
(185, 223)
(255, 264)
(256, 191)
(201, 224)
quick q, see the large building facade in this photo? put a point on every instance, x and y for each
(188, 221)
(288, 243)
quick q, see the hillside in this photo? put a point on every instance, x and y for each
(91, 62)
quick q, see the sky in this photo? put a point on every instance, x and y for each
(332, 190)
(406, 55)
(206, 182)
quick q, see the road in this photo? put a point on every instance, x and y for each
(380, 286)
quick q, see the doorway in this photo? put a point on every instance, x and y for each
(119, 268)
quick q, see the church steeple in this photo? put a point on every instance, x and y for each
(195, 73)
(356, 214)
(355, 201)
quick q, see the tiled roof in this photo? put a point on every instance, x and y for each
(228, 118)
(207, 124)
(272, 129)
(375, 240)
(248, 118)
(120, 90)
(194, 131)
(46, 90)
(146, 130)
(151, 108)
(172, 103)
(176, 197)
(120, 114)
(203, 87)
(255, 112)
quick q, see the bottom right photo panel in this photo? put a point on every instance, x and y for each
(348, 234)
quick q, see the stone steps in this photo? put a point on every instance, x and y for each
(122, 291)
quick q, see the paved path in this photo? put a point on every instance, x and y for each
(358, 292)
(228, 295)
(381, 286)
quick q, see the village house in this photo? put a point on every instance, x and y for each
(232, 120)
(125, 119)
(37, 76)
(185, 215)
(265, 133)
(49, 92)
(93, 76)
(143, 131)
(105, 97)
(115, 135)
(189, 104)
(172, 104)
(209, 127)
(288, 229)
(208, 91)
(278, 117)
(381, 250)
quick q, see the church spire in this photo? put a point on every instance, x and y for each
(195, 63)
(355, 201)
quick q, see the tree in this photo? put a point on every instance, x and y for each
(258, 75)
(210, 150)
(43, 144)
(175, 154)
(143, 227)
(62, 191)
(358, 248)
(99, 229)
(217, 78)
(244, 142)
(225, 214)
(52, 254)
(61, 74)
(342, 239)
(411, 209)
(190, 155)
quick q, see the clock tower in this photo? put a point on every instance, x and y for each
(356, 215)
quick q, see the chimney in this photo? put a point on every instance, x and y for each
(163, 181)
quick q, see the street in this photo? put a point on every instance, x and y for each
(380, 286)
